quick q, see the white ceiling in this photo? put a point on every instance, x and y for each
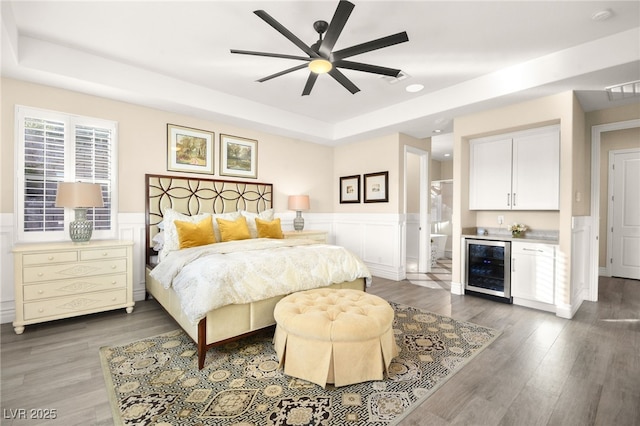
(469, 55)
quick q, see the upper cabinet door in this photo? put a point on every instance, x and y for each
(518, 171)
(490, 175)
(536, 172)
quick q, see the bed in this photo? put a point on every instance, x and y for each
(170, 197)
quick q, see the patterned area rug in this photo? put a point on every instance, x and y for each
(156, 381)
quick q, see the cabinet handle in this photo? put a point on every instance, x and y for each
(114, 266)
(50, 258)
(528, 249)
(41, 310)
(514, 199)
(40, 274)
(508, 199)
(40, 292)
(113, 283)
(113, 299)
(513, 265)
(105, 254)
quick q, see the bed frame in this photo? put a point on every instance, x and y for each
(193, 196)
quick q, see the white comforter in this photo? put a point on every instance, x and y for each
(245, 271)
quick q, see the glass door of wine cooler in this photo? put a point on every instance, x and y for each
(488, 267)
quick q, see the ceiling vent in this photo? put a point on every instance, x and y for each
(623, 91)
(393, 80)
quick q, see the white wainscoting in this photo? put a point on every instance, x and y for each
(376, 239)
(580, 268)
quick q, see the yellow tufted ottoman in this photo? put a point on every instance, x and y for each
(334, 336)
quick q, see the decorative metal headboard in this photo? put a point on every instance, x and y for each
(196, 195)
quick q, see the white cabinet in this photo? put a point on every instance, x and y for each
(519, 171)
(62, 280)
(533, 273)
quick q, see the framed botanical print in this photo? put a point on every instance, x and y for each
(376, 187)
(350, 189)
(189, 150)
(238, 156)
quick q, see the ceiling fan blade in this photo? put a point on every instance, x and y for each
(374, 69)
(340, 17)
(278, 74)
(342, 79)
(310, 82)
(370, 45)
(271, 55)
(285, 32)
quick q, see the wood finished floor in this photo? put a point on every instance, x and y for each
(542, 370)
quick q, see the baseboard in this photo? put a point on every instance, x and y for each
(457, 288)
(7, 312)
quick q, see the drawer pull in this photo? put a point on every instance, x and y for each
(114, 266)
(40, 274)
(40, 291)
(114, 282)
(113, 299)
(41, 310)
(105, 254)
(50, 258)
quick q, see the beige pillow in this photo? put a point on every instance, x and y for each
(251, 220)
(232, 230)
(196, 234)
(269, 229)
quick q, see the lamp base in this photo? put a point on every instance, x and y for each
(80, 229)
(298, 222)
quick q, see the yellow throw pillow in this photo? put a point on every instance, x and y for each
(269, 229)
(193, 234)
(231, 230)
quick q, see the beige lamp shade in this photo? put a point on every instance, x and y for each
(79, 194)
(298, 202)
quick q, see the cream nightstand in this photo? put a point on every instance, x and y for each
(320, 236)
(62, 280)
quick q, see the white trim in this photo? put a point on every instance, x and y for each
(596, 136)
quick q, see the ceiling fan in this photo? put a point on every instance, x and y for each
(322, 58)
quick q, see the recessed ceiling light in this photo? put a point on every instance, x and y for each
(602, 15)
(447, 155)
(412, 88)
(437, 131)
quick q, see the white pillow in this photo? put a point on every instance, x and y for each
(171, 242)
(251, 220)
(225, 216)
(158, 241)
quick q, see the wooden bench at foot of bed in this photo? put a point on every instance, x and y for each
(227, 323)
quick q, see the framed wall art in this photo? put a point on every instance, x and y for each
(376, 187)
(350, 189)
(238, 156)
(189, 150)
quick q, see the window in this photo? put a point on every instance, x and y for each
(55, 147)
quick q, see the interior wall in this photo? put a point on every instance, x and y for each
(293, 166)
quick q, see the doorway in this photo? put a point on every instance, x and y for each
(596, 138)
(416, 210)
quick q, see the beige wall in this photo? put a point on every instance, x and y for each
(293, 166)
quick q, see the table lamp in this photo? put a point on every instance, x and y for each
(79, 196)
(298, 203)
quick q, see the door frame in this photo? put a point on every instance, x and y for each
(596, 136)
(424, 240)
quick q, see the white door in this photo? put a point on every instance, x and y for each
(624, 190)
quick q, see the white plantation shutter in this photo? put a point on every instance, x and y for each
(55, 147)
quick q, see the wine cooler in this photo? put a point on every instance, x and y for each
(488, 269)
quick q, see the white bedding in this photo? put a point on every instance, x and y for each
(237, 272)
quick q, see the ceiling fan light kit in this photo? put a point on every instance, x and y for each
(321, 59)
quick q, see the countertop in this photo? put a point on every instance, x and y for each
(540, 237)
